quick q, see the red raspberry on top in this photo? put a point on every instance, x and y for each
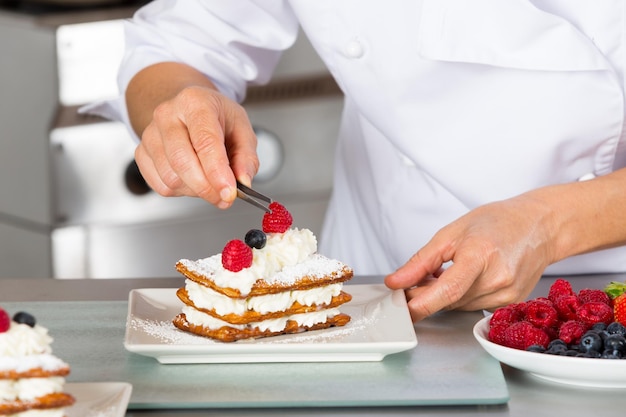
(593, 294)
(506, 315)
(496, 332)
(278, 221)
(523, 334)
(566, 306)
(595, 312)
(541, 314)
(5, 321)
(236, 255)
(545, 300)
(571, 331)
(560, 288)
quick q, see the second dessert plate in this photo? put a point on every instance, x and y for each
(380, 325)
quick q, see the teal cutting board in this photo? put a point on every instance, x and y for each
(448, 367)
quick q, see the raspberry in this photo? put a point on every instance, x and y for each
(566, 306)
(278, 221)
(552, 332)
(5, 321)
(236, 255)
(505, 315)
(523, 334)
(544, 300)
(541, 314)
(560, 288)
(595, 312)
(571, 331)
(590, 294)
(496, 333)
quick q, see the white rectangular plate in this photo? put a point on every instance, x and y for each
(380, 325)
(98, 399)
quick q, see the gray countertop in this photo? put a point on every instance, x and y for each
(528, 394)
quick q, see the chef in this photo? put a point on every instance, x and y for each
(481, 146)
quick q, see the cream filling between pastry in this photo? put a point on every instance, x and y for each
(205, 297)
(28, 389)
(47, 362)
(199, 318)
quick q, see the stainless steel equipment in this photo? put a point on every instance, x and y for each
(73, 204)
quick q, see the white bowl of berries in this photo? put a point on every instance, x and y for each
(566, 337)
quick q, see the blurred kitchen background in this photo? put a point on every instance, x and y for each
(72, 203)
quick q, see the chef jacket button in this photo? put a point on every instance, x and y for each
(354, 49)
(587, 177)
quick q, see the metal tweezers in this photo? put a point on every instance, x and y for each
(255, 198)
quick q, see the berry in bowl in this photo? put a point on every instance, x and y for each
(567, 337)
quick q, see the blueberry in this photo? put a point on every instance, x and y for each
(589, 354)
(604, 334)
(616, 328)
(591, 341)
(615, 342)
(256, 239)
(536, 348)
(557, 349)
(599, 326)
(557, 342)
(611, 354)
(22, 317)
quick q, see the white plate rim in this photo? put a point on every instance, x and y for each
(91, 397)
(264, 350)
(589, 372)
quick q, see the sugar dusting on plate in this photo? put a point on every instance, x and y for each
(166, 332)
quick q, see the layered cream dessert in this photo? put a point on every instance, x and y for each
(284, 287)
(32, 379)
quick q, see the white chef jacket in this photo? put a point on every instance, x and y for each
(449, 104)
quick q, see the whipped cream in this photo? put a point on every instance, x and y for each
(23, 348)
(205, 297)
(47, 362)
(284, 258)
(275, 325)
(22, 340)
(28, 389)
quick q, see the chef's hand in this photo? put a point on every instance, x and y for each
(194, 140)
(497, 252)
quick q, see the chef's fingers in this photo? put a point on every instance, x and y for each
(445, 291)
(154, 167)
(191, 129)
(424, 263)
(240, 139)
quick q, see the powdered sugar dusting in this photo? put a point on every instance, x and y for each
(315, 266)
(167, 333)
(109, 411)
